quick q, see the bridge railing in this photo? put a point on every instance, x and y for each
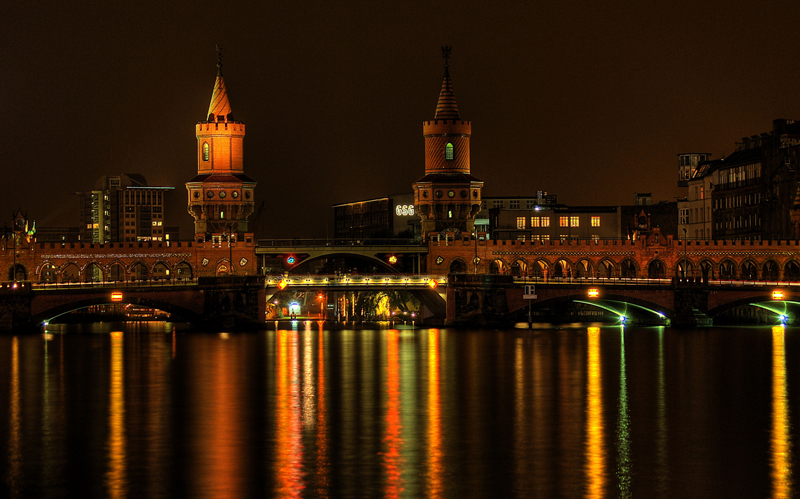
(115, 284)
(371, 280)
(293, 243)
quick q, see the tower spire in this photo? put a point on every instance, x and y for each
(446, 107)
(220, 106)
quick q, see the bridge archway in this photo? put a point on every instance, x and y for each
(183, 271)
(539, 269)
(749, 270)
(605, 269)
(518, 267)
(70, 273)
(92, 273)
(497, 266)
(628, 268)
(616, 304)
(656, 269)
(562, 268)
(584, 268)
(769, 271)
(684, 268)
(706, 268)
(791, 272)
(176, 310)
(139, 271)
(458, 266)
(17, 272)
(48, 273)
(116, 272)
(727, 269)
(160, 270)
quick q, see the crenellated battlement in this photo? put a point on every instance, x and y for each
(220, 127)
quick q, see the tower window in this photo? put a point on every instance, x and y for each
(205, 151)
(448, 151)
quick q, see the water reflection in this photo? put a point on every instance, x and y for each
(14, 440)
(434, 485)
(116, 479)
(289, 451)
(595, 447)
(780, 442)
(624, 472)
(393, 439)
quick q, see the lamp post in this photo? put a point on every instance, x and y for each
(684, 252)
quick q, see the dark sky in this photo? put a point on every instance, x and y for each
(591, 101)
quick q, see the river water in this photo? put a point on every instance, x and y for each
(151, 410)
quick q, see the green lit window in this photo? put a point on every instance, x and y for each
(205, 151)
(448, 151)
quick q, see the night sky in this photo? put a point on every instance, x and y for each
(590, 101)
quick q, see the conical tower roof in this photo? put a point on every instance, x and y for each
(446, 108)
(220, 106)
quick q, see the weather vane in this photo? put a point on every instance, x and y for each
(446, 53)
(219, 57)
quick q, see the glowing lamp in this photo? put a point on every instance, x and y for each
(432, 283)
(290, 260)
(116, 296)
(594, 293)
(777, 295)
(282, 284)
(392, 259)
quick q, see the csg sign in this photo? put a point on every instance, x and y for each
(530, 292)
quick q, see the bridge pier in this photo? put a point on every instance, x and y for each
(15, 306)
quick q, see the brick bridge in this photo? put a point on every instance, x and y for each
(206, 302)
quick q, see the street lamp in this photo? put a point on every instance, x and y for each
(684, 252)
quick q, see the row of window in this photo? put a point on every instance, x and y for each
(513, 204)
(563, 221)
(546, 237)
(739, 174)
(740, 222)
(737, 201)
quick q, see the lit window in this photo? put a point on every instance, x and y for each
(521, 238)
(574, 222)
(563, 221)
(520, 222)
(595, 221)
(545, 221)
(534, 221)
(448, 151)
(205, 151)
(545, 237)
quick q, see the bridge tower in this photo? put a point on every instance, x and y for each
(447, 198)
(221, 196)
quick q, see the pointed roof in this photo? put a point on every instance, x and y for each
(446, 108)
(220, 106)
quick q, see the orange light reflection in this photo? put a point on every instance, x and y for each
(116, 479)
(780, 441)
(289, 458)
(393, 440)
(434, 485)
(595, 449)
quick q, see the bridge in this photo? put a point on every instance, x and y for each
(206, 302)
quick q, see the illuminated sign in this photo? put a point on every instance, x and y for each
(777, 295)
(290, 260)
(282, 284)
(392, 259)
(404, 210)
(432, 283)
(116, 296)
(594, 293)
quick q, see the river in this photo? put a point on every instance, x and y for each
(155, 410)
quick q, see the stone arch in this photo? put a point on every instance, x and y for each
(562, 268)
(727, 269)
(184, 271)
(70, 273)
(457, 266)
(656, 269)
(518, 267)
(17, 272)
(116, 271)
(497, 266)
(139, 271)
(684, 267)
(706, 268)
(791, 271)
(539, 269)
(605, 268)
(628, 269)
(223, 267)
(749, 270)
(770, 271)
(48, 272)
(93, 272)
(584, 268)
(161, 270)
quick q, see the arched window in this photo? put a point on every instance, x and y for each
(205, 151)
(448, 151)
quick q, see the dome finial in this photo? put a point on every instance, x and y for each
(446, 54)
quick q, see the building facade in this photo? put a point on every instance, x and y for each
(392, 216)
(123, 208)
